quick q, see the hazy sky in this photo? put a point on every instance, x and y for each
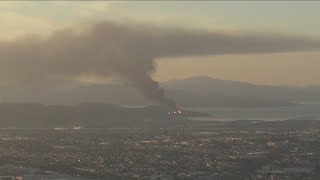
(289, 18)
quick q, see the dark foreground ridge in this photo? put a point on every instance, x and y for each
(90, 115)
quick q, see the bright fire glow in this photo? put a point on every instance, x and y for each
(174, 112)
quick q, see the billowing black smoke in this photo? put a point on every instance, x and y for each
(152, 90)
(125, 52)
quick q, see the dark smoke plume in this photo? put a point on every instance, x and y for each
(126, 52)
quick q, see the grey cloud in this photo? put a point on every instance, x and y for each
(126, 52)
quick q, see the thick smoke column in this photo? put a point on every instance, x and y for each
(152, 90)
(126, 52)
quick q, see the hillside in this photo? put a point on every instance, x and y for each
(196, 91)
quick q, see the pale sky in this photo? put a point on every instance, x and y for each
(293, 18)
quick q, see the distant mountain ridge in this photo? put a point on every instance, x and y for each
(196, 91)
(206, 85)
